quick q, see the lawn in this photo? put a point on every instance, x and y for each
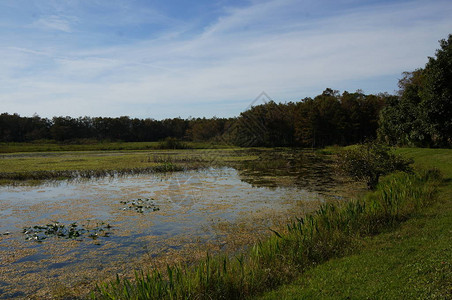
(414, 261)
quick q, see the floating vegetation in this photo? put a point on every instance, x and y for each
(141, 205)
(329, 232)
(88, 174)
(75, 231)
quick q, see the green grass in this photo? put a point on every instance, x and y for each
(67, 164)
(335, 230)
(60, 165)
(437, 158)
(96, 146)
(413, 261)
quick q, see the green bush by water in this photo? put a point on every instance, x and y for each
(172, 143)
(308, 241)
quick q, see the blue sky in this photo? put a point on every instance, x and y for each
(159, 59)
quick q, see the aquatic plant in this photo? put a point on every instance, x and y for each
(39, 233)
(307, 241)
(140, 205)
(87, 174)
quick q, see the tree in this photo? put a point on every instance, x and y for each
(422, 114)
(437, 94)
(361, 113)
(205, 129)
(368, 162)
(267, 125)
(402, 121)
(317, 120)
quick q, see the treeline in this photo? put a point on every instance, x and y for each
(14, 128)
(420, 115)
(329, 118)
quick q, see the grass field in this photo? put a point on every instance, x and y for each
(414, 261)
(96, 146)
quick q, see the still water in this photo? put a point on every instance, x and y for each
(122, 223)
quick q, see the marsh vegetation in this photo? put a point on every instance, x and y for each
(331, 231)
(243, 208)
(116, 222)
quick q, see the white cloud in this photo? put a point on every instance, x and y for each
(261, 47)
(54, 22)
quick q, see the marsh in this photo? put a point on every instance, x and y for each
(122, 223)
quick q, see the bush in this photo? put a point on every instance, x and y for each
(367, 162)
(172, 143)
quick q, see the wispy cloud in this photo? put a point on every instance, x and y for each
(59, 23)
(288, 48)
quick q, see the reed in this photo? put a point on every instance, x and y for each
(304, 243)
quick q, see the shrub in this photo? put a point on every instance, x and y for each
(172, 143)
(367, 162)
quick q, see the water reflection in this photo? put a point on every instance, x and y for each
(195, 207)
(303, 169)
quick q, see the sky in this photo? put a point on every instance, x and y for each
(165, 59)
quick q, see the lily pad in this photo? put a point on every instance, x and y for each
(140, 205)
(75, 231)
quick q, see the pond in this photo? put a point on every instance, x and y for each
(60, 237)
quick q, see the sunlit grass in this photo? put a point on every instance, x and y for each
(424, 157)
(61, 165)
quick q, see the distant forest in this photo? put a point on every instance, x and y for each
(419, 115)
(329, 118)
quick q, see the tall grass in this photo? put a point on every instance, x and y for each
(307, 241)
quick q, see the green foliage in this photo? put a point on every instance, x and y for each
(367, 162)
(306, 242)
(437, 94)
(318, 120)
(327, 119)
(203, 129)
(267, 125)
(334, 119)
(172, 143)
(402, 121)
(421, 116)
